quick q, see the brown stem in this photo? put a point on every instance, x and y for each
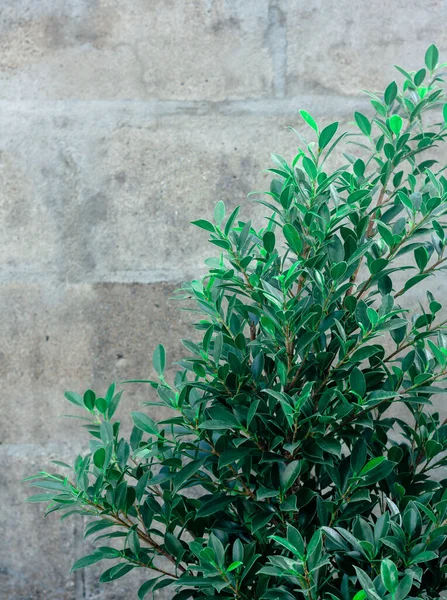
(235, 473)
(252, 331)
(369, 234)
(146, 538)
(355, 416)
(152, 567)
(432, 268)
(410, 342)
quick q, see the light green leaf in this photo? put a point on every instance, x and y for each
(219, 212)
(396, 124)
(309, 120)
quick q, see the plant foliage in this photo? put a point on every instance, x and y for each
(302, 456)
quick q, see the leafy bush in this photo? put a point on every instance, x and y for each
(302, 456)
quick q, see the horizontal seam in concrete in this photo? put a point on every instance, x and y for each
(27, 450)
(144, 276)
(318, 104)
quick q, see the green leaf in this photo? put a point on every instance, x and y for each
(431, 57)
(375, 470)
(390, 93)
(367, 584)
(159, 359)
(310, 168)
(396, 124)
(386, 234)
(173, 545)
(309, 120)
(372, 316)
(89, 400)
(268, 240)
(217, 351)
(404, 587)
(338, 270)
(326, 135)
(106, 432)
(40, 498)
(363, 123)
(357, 382)
(293, 238)
(116, 572)
(237, 551)
(86, 561)
(419, 77)
(329, 445)
(285, 544)
(145, 423)
(415, 280)
(378, 265)
(389, 575)
(204, 225)
(372, 464)
(289, 474)
(423, 557)
(217, 424)
(363, 353)
(186, 474)
(422, 257)
(95, 526)
(213, 506)
(74, 398)
(147, 587)
(114, 404)
(219, 212)
(286, 196)
(99, 458)
(358, 456)
(234, 565)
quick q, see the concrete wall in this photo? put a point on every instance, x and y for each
(120, 122)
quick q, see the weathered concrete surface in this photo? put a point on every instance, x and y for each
(344, 46)
(191, 50)
(121, 122)
(99, 171)
(79, 336)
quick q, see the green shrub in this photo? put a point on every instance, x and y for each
(302, 455)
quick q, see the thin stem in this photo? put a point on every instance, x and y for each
(359, 414)
(369, 234)
(432, 268)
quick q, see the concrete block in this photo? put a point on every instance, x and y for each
(109, 196)
(184, 50)
(342, 47)
(79, 337)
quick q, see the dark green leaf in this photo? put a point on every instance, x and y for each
(159, 359)
(363, 123)
(145, 423)
(431, 57)
(326, 135)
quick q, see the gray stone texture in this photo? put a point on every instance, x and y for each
(121, 122)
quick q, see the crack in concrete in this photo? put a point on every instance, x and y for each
(276, 41)
(106, 111)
